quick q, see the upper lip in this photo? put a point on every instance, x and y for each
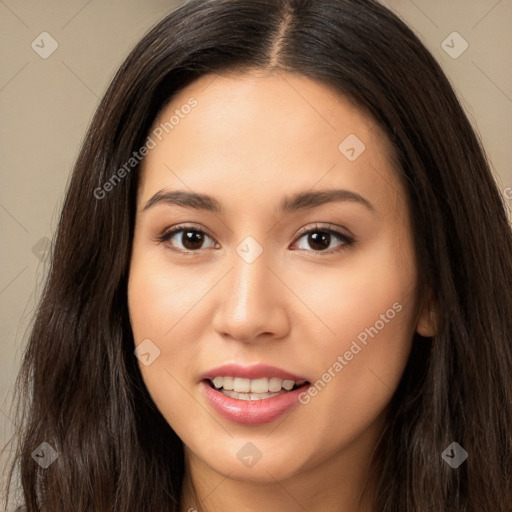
(255, 371)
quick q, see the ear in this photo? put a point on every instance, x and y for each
(428, 320)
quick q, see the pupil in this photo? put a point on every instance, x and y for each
(192, 239)
(322, 241)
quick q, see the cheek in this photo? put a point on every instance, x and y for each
(159, 303)
(369, 309)
(352, 296)
(362, 376)
(160, 296)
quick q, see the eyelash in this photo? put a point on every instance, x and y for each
(347, 241)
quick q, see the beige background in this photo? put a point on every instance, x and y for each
(46, 105)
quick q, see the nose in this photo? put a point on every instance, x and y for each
(251, 304)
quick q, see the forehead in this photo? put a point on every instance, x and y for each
(270, 132)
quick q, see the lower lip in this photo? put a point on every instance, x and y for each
(251, 412)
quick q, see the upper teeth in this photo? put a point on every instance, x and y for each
(263, 385)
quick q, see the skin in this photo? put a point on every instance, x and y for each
(254, 139)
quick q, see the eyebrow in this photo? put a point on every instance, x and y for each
(299, 201)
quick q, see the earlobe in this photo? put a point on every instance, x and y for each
(428, 322)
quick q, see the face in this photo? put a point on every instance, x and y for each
(300, 259)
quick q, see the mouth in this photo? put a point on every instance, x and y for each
(263, 388)
(252, 402)
(252, 395)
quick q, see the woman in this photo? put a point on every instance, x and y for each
(332, 333)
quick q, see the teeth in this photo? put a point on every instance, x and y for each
(228, 383)
(274, 384)
(242, 385)
(259, 385)
(288, 384)
(250, 396)
(217, 382)
(247, 386)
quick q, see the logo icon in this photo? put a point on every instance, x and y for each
(249, 249)
(351, 147)
(44, 45)
(41, 249)
(454, 455)
(249, 455)
(454, 45)
(45, 455)
(147, 352)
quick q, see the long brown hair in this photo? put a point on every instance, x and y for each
(80, 389)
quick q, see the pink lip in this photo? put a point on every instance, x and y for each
(256, 371)
(250, 412)
(255, 412)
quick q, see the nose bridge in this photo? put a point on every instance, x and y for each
(250, 303)
(250, 283)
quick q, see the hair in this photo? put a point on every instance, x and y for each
(80, 388)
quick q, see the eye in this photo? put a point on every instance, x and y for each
(191, 238)
(320, 238)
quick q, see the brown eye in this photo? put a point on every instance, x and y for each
(320, 239)
(192, 239)
(185, 239)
